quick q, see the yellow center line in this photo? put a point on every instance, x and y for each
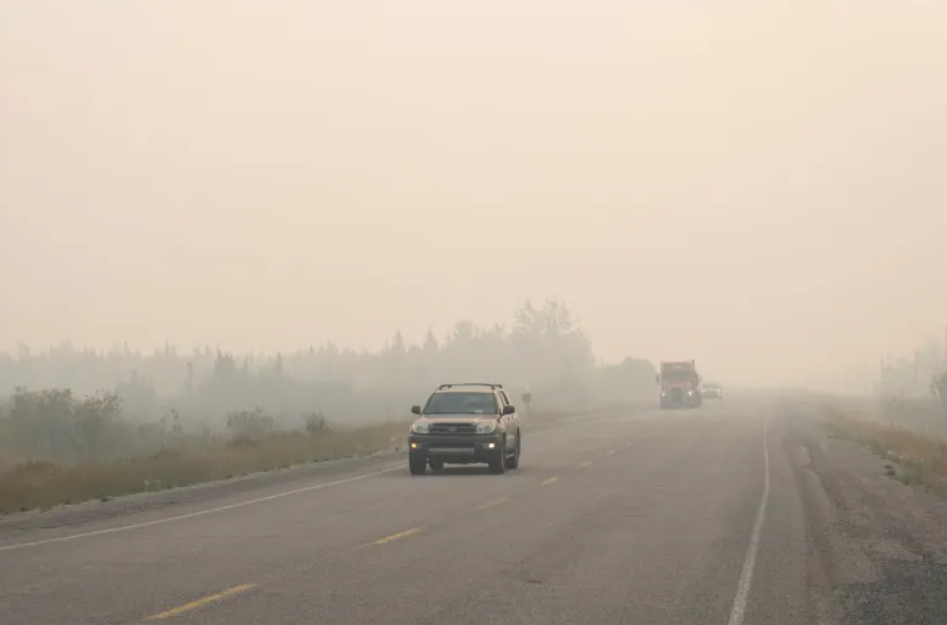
(490, 504)
(393, 537)
(550, 481)
(584, 465)
(187, 607)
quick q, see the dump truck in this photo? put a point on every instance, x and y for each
(680, 385)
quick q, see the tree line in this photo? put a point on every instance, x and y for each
(922, 373)
(542, 352)
(913, 389)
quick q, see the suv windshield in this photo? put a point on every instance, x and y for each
(461, 403)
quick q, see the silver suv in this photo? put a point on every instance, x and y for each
(465, 423)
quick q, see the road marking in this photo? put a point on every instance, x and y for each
(182, 517)
(583, 465)
(393, 537)
(187, 607)
(738, 611)
(609, 452)
(490, 504)
(550, 481)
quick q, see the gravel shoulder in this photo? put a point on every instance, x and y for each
(877, 547)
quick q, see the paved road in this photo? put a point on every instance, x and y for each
(689, 517)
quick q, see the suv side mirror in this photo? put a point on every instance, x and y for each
(508, 410)
(416, 409)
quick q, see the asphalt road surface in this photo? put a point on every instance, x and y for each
(734, 513)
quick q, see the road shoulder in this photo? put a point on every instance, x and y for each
(24, 526)
(877, 547)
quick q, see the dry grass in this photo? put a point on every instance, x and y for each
(922, 457)
(43, 485)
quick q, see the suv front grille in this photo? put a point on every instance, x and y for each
(453, 428)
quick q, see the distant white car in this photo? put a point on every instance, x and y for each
(711, 391)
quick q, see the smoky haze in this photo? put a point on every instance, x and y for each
(756, 185)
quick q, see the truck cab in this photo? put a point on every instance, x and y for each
(680, 385)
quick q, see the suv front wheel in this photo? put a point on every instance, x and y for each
(417, 464)
(514, 462)
(498, 462)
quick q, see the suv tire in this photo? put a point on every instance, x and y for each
(514, 462)
(436, 464)
(417, 464)
(498, 463)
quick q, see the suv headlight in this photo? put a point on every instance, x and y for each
(486, 427)
(420, 427)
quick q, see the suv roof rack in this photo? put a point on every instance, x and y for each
(453, 384)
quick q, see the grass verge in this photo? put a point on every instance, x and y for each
(922, 459)
(42, 485)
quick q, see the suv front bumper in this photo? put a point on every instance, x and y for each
(467, 448)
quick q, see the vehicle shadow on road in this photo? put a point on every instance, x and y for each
(456, 471)
(474, 471)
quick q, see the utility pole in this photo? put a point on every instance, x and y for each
(915, 372)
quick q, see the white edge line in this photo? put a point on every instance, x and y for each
(181, 517)
(241, 504)
(738, 611)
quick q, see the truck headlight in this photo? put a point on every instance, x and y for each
(420, 427)
(486, 427)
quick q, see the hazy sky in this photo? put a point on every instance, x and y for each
(760, 185)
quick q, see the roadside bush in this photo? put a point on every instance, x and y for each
(250, 425)
(53, 425)
(316, 423)
(924, 415)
